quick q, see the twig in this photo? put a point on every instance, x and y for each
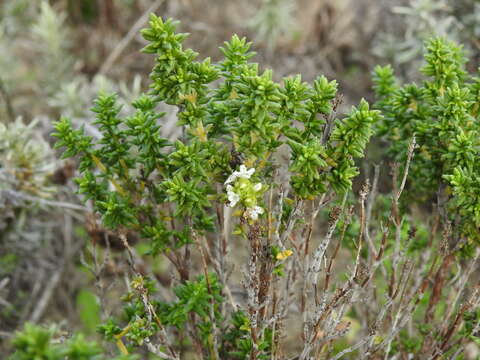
(214, 347)
(41, 305)
(151, 313)
(156, 351)
(411, 150)
(52, 284)
(352, 348)
(370, 202)
(461, 288)
(128, 38)
(322, 247)
(41, 201)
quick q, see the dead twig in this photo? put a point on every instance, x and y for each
(107, 65)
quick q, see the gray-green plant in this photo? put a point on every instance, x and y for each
(273, 20)
(412, 23)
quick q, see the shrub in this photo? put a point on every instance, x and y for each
(442, 113)
(258, 161)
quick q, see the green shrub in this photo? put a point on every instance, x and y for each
(37, 343)
(234, 122)
(442, 113)
(254, 166)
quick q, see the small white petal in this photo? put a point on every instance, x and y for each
(245, 173)
(233, 198)
(231, 178)
(249, 172)
(257, 187)
(253, 213)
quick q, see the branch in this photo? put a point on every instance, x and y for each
(128, 38)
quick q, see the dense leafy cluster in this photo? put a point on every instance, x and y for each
(265, 252)
(234, 119)
(134, 176)
(442, 113)
(193, 299)
(35, 342)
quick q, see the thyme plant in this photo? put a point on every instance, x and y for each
(236, 199)
(220, 181)
(244, 120)
(442, 113)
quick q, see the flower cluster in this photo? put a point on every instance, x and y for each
(244, 191)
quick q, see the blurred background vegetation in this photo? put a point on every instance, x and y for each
(57, 55)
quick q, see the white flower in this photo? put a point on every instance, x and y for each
(233, 197)
(245, 173)
(253, 213)
(242, 173)
(257, 187)
(231, 178)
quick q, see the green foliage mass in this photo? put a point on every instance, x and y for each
(132, 174)
(443, 114)
(234, 120)
(38, 343)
